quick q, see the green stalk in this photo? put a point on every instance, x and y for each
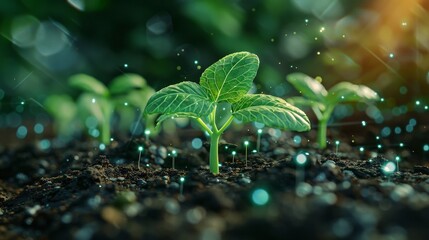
(105, 131)
(214, 148)
(321, 133)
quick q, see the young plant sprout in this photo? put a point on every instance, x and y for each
(100, 101)
(140, 155)
(258, 141)
(233, 155)
(246, 144)
(397, 159)
(226, 82)
(323, 102)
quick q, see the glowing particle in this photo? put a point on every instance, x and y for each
(391, 55)
(344, 36)
(38, 128)
(361, 149)
(272, 39)
(198, 67)
(306, 20)
(388, 168)
(260, 197)
(125, 65)
(337, 142)
(398, 130)
(401, 144)
(426, 107)
(21, 132)
(179, 68)
(140, 148)
(246, 143)
(182, 179)
(147, 132)
(426, 147)
(196, 62)
(125, 104)
(93, 100)
(102, 147)
(397, 158)
(417, 102)
(363, 123)
(234, 153)
(379, 146)
(318, 53)
(197, 143)
(404, 24)
(378, 137)
(301, 159)
(322, 29)
(297, 139)
(259, 131)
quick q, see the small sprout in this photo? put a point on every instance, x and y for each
(246, 143)
(260, 197)
(300, 161)
(258, 142)
(323, 102)
(179, 101)
(233, 155)
(140, 148)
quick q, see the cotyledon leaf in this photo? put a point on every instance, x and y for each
(271, 111)
(126, 83)
(349, 92)
(88, 84)
(231, 77)
(309, 87)
(184, 98)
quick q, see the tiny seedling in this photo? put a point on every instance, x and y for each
(140, 148)
(233, 156)
(64, 110)
(246, 144)
(323, 102)
(225, 83)
(100, 101)
(258, 141)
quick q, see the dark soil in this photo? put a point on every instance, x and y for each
(80, 192)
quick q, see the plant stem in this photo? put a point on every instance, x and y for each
(321, 133)
(214, 158)
(105, 132)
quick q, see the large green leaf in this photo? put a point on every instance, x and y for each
(231, 77)
(308, 87)
(126, 83)
(88, 84)
(349, 92)
(184, 98)
(271, 111)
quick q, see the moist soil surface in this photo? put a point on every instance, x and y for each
(78, 191)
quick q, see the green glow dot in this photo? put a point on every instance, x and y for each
(182, 179)
(246, 143)
(234, 153)
(140, 148)
(260, 197)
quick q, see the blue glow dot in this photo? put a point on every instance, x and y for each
(385, 132)
(102, 147)
(297, 139)
(140, 148)
(379, 146)
(363, 123)
(21, 132)
(44, 144)
(91, 122)
(426, 147)
(301, 158)
(125, 65)
(38, 128)
(409, 128)
(361, 149)
(398, 130)
(182, 179)
(403, 90)
(412, 122)
(401, 144)
(197, 143)
(389, 168)
(94, 132)
(417, 102)
(260, 197)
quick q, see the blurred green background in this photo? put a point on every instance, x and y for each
(381, 43)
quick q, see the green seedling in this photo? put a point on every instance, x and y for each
(100, 101)
(224, 85)
(63, 110)
(323, 102)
